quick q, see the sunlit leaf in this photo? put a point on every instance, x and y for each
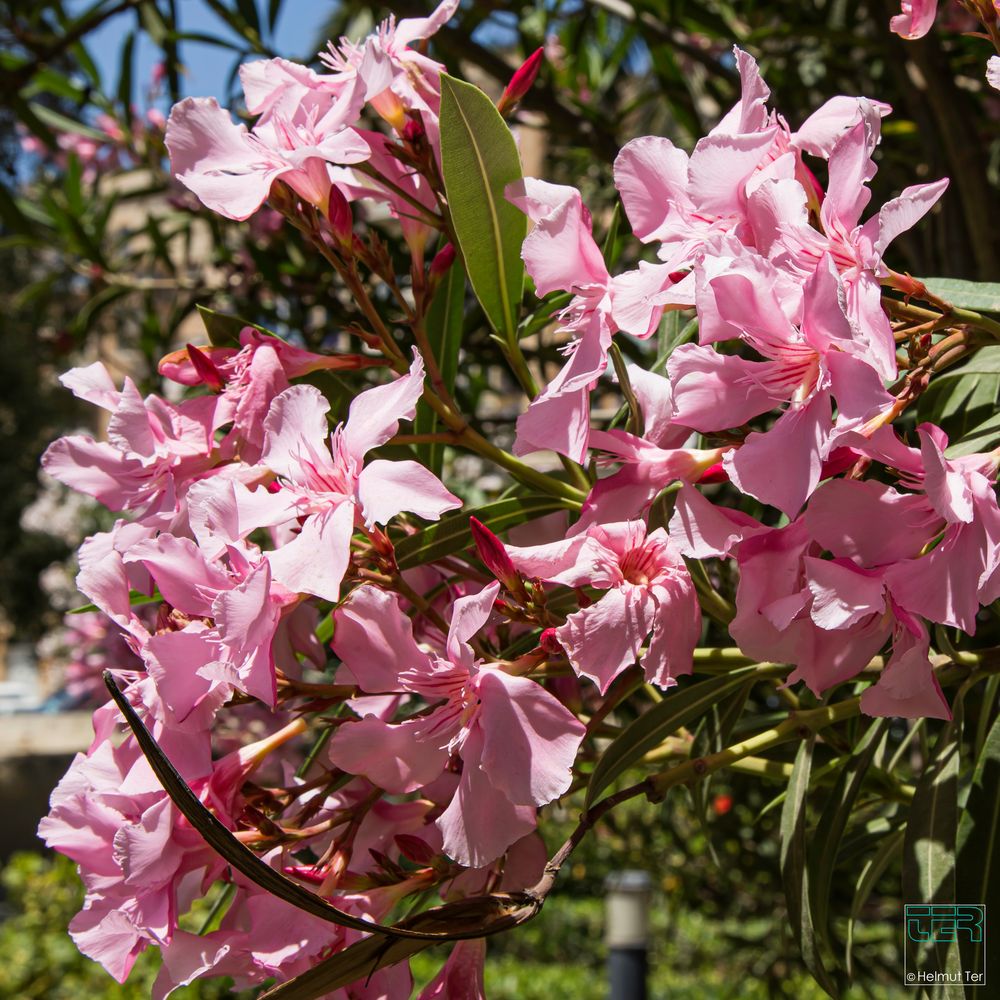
(478, 160)
(794, 872)
(680, 707)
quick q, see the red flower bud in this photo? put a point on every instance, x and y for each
(548, 641)
(443, 260)
(521, 81)
(338, 211)
(493, 553)
(417, 850)
(714, 474)
(307, 873)
(413, 130)
(205, 367)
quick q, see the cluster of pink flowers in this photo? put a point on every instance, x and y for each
(253, 521)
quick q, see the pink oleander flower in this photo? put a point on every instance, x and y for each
(648, 595)
(561, 255)
(264, 938)
(812, 355)
(84, 647)
(398, 177)
(650, 462)
(154, 448)
(231, 170)
(328, 487)
(685, 203)
(515, 741)
(915, 19)
(409, 80)
(828, 617)
(248, 378)
(234, 611)
(948, 565)
(779, 215)
(141, 863)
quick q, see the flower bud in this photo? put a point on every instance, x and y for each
(493, 553)
(338, 212)
(550, 643)
(440, 266)
(442, 261)
(521, 81)
(205, 367)
(413, 130)
(416, 850)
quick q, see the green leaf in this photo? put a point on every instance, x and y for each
(273, 12)
(711, 736)
(95, 306)
(978, 844)
(826, 841)
(983, 296)
(874, 868)
(73, 186)
(154, 24)
(672, 333)
(223, 330)
(478, 160)
(135, 598)
(932, 830)
(50, 81)
(611, 248)
(443, 325)
(125, 64)
(63, 124)
(965, 397)
(932, 826)
(679, 707)
(982, 437)
(794, 873)
(451, 534)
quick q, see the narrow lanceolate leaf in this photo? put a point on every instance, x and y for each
(887, 851)
(443, 325)
(452, 534)
(931, 832)
(711, 736)
(223, 330)
(679, 707)
(964, 399)
(478, 160)
(983, 296)
(794, 873)
(240, 857)
(978, 848)
(825, 843)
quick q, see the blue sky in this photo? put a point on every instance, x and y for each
(207, 66)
